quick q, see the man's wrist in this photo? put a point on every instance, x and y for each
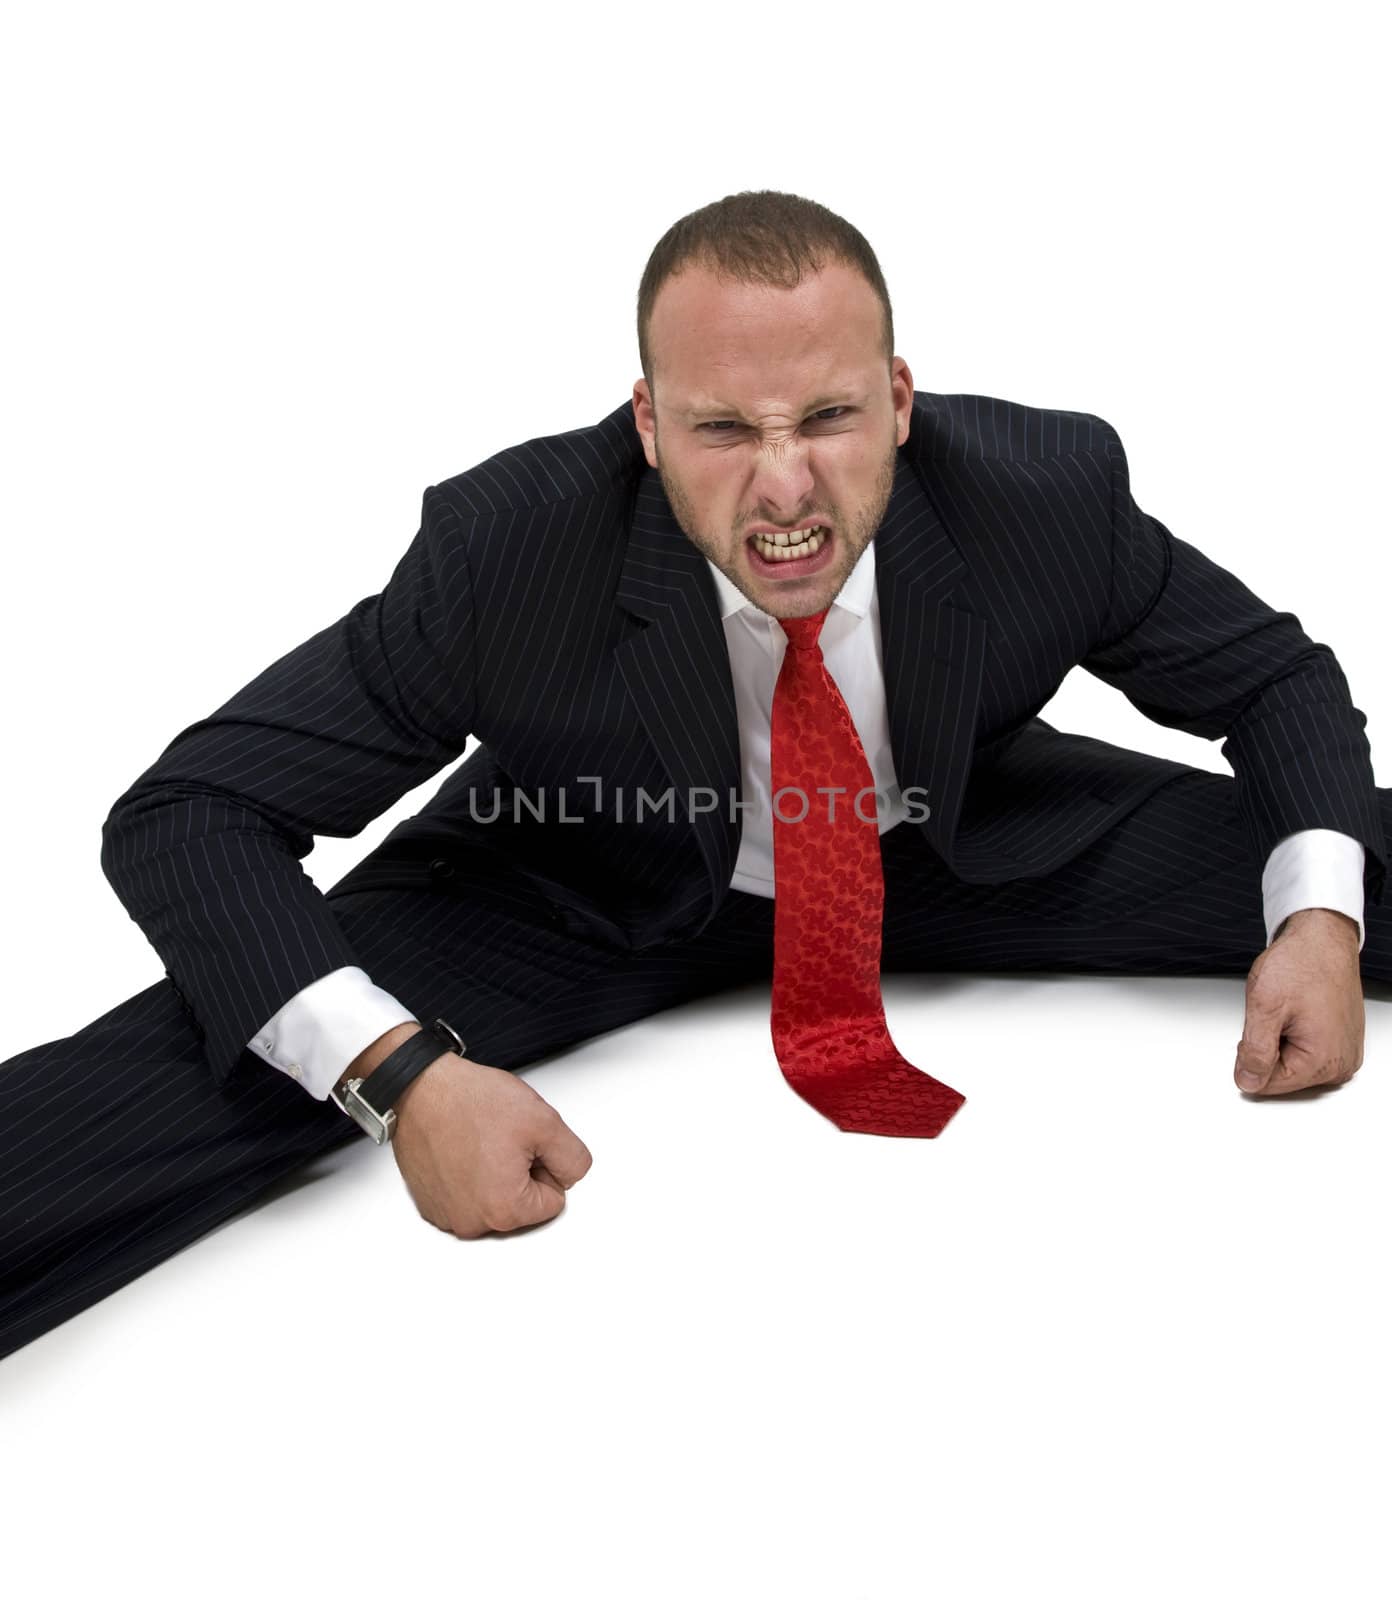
(1318, 913)
(363, 1064)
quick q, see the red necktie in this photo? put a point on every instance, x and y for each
(828, 1020)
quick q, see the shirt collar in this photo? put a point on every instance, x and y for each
(854, 597)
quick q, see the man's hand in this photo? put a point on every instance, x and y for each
(1304, 1021)
(481, 1151)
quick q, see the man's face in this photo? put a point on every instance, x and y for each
(774, 411)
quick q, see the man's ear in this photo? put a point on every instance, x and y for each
(645, 419)
(902, 388)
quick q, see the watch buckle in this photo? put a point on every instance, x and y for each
(458, 1042)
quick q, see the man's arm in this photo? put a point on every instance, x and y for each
(204, 848)
(1192, 647)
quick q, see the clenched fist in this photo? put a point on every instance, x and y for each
(1305, 1016)
(481, 1151)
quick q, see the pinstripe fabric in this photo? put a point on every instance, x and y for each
(117, 1149)
(550, 604)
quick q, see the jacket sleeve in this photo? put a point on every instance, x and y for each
(204, 848)
(1192, 647)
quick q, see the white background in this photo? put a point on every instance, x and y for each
(270, 271)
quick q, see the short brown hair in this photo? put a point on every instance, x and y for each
(758, 236)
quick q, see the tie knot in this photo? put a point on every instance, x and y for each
(802, 631)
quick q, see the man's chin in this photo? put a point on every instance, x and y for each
(799, 599)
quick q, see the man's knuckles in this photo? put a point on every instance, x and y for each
(1305, 1071)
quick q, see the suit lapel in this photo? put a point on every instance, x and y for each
(933, 653)
(677, 669)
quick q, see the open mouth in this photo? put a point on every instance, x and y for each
(788, 555)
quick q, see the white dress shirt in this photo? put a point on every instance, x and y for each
(318, 1031)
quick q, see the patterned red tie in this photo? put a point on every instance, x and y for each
(828, 1020)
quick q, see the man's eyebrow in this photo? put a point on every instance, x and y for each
(843, 397)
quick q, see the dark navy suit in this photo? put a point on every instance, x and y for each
(551, 606)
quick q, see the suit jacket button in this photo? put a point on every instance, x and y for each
(555, 916)
(440, 868)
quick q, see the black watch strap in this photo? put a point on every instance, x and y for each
(387, 1082)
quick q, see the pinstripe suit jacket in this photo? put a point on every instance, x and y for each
(550, 605)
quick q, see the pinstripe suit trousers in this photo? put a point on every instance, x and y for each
(117, 1147)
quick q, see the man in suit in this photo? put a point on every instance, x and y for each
(603, 609)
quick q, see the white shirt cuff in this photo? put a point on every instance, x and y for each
(1316, 867)
(328, 1024)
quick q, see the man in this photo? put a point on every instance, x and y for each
(615, 612)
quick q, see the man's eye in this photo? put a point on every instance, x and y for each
(817, 416)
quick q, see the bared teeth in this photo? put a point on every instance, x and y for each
(794, 546)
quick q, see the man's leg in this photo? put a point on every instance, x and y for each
(117, 1149)
(1172, 887)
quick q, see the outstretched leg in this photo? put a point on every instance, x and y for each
(117, 1148)
(1173, 887)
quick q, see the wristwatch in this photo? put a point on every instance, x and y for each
(369, 1100)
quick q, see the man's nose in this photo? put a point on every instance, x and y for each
(783, 481)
